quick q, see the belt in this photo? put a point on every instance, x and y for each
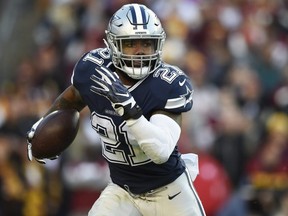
(146, 194)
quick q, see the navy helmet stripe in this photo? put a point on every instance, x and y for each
(134, 18)
(144, 19)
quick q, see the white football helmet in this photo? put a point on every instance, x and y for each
(135, 21)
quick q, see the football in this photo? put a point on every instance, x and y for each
(55, 133)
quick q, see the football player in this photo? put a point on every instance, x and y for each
(136, 101)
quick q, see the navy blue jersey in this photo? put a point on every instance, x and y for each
(167, 88)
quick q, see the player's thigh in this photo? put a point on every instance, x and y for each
(113, 201)
(182, 199)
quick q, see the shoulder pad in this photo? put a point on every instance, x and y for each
(97, 56)
(176, 87)
(88, 62)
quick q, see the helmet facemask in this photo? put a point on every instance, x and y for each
(122, 28)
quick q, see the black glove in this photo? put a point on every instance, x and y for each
(30, 135)
(110, 86)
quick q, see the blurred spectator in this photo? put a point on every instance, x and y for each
(264, 189)
(283, 209)
(26, 188)
(267, 171)
(200, 124)
(229, 146)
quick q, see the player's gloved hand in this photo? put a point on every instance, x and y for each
(110, 86)
(30, 135)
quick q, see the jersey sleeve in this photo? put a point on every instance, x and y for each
(79, 71)
(85, 67)
(180, 99)
(175, 90)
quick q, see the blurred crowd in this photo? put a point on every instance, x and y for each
(236, 53)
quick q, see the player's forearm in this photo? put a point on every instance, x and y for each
(69, 99)
(157, 137)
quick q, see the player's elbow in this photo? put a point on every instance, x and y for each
(156, 151)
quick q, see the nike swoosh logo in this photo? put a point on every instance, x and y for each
(173, 196)
(182, 83)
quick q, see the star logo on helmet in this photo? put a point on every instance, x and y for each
(116, 20)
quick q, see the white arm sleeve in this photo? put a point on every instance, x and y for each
(157, 137)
